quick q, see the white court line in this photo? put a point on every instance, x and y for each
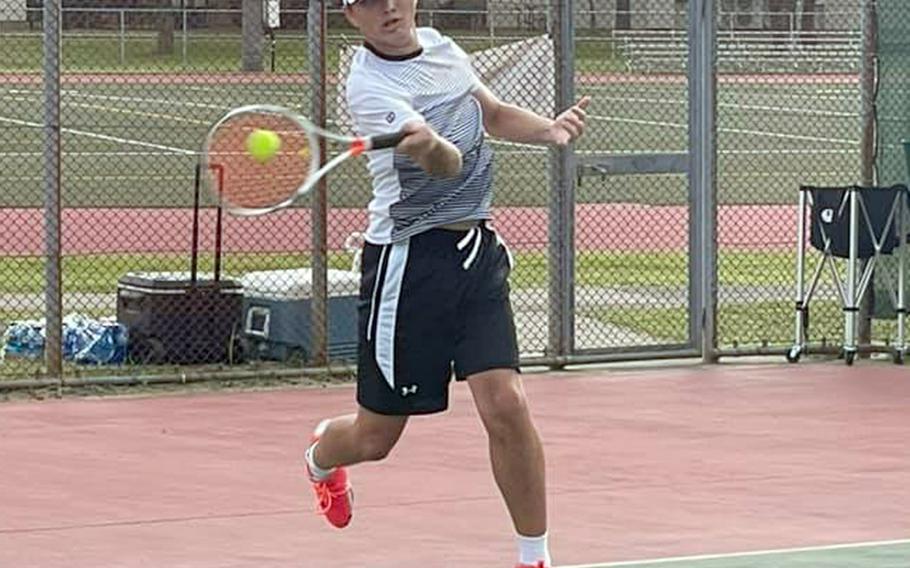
(769, 552)
(89, 154)
(791, 110)
(833, 96)
(775, 174)
(220, 89)
(182, 103)
(780, 109)
(115, 110)
(170, 149)
(728, 130)
(74, 93)
(71, 92)
(202, 88)
(787, 152)
(170, 102)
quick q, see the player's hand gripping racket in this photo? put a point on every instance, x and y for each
(264, 157)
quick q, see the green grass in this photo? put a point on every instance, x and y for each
(98, 273)
(753, 323)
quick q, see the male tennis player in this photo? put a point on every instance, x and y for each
(434, 291)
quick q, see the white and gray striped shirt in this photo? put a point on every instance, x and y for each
(435, 85)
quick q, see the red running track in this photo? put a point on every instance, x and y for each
(599, 227)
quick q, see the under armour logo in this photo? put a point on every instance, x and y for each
(390, 118)
(405, 391)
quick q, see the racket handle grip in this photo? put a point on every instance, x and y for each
(386, 140)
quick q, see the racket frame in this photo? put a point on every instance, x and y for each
(356, 146)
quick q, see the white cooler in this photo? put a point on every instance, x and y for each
(276, 314)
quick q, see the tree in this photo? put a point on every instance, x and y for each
(166, 27)
(623, 20)
(253, 35)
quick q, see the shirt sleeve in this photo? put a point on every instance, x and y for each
(468, 66)
(376, 109)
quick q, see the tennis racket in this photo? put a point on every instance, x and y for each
(247, 186)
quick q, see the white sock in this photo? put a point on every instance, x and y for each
(317, 472)
(533, 549)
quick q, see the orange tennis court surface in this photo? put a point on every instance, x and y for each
(654, 463)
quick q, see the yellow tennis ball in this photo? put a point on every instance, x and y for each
(263, 144)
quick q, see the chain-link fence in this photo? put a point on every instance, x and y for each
(810, 121)
(888, 107)
(632, 280)
(152, 273)
(624, 245)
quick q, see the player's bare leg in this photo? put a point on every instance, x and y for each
(344, 441)
(517, 457)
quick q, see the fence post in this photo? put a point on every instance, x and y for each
(868, 149)
(562, 193)
(316, 41)
(252, 35)
(53, 295)
(702, 186)
(122, 14)
(491, 23)
(184, 32)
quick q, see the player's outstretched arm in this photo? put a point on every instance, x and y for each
(515, 124)
(436, 155)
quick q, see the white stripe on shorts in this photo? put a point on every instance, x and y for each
(388, 310)
(374, 300)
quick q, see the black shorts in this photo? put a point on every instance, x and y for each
(429, 305)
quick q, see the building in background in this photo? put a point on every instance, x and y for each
(788, 15)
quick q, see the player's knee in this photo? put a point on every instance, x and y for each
(506, 410)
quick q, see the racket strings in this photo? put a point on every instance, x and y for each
(252, 184)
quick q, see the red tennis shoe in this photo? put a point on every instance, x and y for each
(334, 497)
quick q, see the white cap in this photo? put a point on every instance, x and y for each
(349, 2)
